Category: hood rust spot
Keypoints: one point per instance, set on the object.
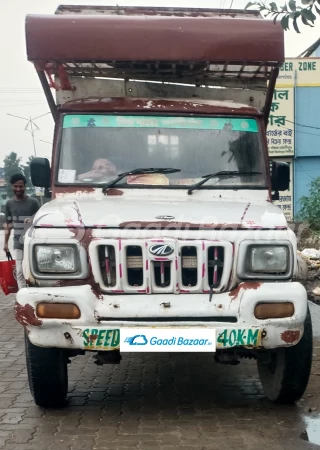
(244, 286)
(95, 288)
(290, 336)
(84, 237)
(25, 315)
(178, 105)
(73, 189)
(93, 337)
(69, 338)
(113, 191)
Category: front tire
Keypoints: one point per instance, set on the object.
(284, 375)
(47, 374)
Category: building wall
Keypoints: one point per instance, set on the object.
(307, 142)
(316, 53)
(307, 112)
(305, 169)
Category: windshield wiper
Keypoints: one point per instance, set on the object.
(138, 172)
(222, 173)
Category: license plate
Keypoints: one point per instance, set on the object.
(238, 337)
(167, 340)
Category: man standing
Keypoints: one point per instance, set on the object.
(19, 213)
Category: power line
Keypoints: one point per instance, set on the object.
(310, 134)
(31, 126)
(12, 98)
(10, 92)
(20, 88)
(297, 131)
(304, 126)
(23, 95)
(23, 91)
(309, 170)
(22, 104)
(303, 170)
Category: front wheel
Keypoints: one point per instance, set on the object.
(284, 374)
(47, 374)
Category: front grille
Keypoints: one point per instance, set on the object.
(161, 266)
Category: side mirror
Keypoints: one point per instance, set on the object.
(280, 177)
(40, 172)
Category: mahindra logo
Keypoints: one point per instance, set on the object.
(161, 249)
(165, 217)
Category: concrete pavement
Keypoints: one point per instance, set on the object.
(150, 402)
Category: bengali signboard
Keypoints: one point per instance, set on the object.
(300, 72)
(295, 72)
(280, 133)
(285, 201)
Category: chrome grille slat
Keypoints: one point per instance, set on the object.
(195, 266)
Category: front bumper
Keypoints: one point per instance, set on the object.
(227, 311)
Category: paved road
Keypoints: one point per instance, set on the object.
(150, 402)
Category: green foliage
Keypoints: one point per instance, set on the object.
(310, 206)
(289, 12)
(12, 165)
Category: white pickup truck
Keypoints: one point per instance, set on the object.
(160, 221)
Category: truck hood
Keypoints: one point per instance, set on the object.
(189, 211)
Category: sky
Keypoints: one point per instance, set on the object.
(20, 90)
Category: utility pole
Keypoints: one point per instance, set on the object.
(31, 126)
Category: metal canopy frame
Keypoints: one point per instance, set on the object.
(247, 83)
(203, 52)
(208, 73)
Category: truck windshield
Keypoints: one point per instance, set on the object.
(96, 148)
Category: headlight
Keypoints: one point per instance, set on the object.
(56, 258)
(268, 259)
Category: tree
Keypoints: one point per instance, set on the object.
(290, 12)
(310, 206)
(12, 165)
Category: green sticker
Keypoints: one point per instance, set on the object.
(238, 337)
(194, 123)
(103, 339)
